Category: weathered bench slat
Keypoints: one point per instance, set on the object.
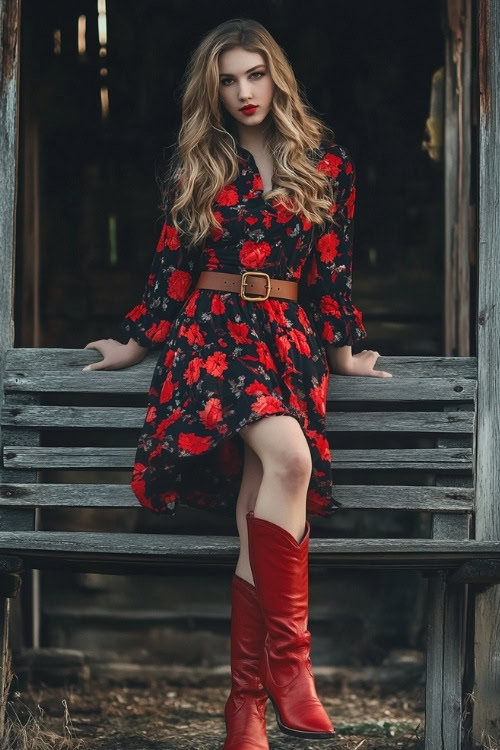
(340, 387)
(386, 497)
(92, 417)
(406, 367)
(104, 457)
(431, 553)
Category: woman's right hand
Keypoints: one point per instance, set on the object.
(115, 355)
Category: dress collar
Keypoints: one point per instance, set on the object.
(245, 154)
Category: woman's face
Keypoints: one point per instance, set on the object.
(244, 79)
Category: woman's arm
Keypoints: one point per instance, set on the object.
(171, 278)
(339, 359)
(342, 361)
(326, 282)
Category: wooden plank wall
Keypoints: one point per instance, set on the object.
(486, 707)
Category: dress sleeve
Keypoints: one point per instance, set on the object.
(171, 278)
(326, 279)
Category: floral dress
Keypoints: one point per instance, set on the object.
(225, 362)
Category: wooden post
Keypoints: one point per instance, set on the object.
(9, 77)
(457, 158)
(9, 73)
(446, 623)
(486, 698)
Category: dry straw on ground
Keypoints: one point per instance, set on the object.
(188, 715)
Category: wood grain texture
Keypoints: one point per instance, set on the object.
(340, 387)
(384, 497)
(104, 457)
(55, 359)
(9, 103)
(123, 417)
(172, 548)
(446, 624)
(486, 710)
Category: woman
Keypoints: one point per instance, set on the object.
(249, 302)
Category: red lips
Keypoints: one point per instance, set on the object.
(249, 108)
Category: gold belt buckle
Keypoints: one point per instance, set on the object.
(244, 283)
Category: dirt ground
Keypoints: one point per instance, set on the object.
(163, 716)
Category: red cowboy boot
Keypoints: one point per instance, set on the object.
(280, 571)
(245, 709)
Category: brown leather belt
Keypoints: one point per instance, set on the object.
(257, 283)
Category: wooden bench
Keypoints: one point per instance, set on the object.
(428, 406)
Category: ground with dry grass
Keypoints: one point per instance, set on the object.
(166, 716)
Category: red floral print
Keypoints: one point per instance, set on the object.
(225, 362)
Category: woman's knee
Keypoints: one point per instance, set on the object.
(281, 446)
(292, 467)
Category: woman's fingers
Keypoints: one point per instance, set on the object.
(96, 365)
(380, 373)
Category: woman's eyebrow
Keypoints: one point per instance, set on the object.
(260, 65)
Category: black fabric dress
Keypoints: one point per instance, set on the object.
(225, 362)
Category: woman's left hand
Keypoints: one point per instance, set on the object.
(362, 364)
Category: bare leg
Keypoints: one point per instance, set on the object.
(282, 448)
(250, 483)
(280, 570)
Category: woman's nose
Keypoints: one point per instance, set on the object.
(245, 93)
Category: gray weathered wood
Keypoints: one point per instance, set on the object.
(110, 417)
(384, 497)
(457, 167)
(19, 518)
(443, 698)
(44, 457)
(9, 61)
(340, 387)
(446, 624)
(484, 572)
(426, 553)
(486, 709)
(405, 367)
(22, 519)
(5, 659)
(434, 661)
(450, 526)
(9, 77)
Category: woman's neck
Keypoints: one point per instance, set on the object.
(252, 138)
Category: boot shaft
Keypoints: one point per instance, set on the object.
(281, 574)
(248, 633)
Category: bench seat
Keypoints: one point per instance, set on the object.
(47, 549)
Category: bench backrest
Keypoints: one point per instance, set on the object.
(406, 441)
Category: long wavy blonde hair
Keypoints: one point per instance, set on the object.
(205, 157)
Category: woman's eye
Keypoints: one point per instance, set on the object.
(259, 73)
